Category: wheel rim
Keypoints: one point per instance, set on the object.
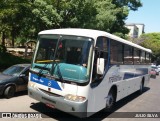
(11, 92)
(109, 101)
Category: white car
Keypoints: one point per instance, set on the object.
(158, 68)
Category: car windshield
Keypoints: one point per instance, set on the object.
(13, 70)
(67, 56)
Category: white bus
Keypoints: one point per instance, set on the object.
(82, 71)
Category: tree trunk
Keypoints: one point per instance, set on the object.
(13, 37)
(3, 38)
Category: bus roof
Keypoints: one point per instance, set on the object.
(92, 34)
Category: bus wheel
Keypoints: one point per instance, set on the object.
(141, 87)
(9, 92)
(110, 100)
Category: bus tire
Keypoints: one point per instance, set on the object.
(111, 98)
(141, 87)
(9, 92)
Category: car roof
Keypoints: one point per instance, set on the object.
(23, 65)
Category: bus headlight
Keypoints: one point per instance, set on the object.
(31, 84)
(74, 98)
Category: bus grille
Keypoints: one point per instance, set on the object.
(50, 94)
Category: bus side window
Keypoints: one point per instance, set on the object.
(116, 52)
(128, 54)
(147, 58)
(143, 56)
(136, 56)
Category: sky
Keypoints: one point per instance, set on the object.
(148, 14)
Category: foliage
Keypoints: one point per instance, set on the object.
(5, 60)
(25, 18)
(152, 41)
(2, 49)
(21, 40)
(13, 16)
(123, 7)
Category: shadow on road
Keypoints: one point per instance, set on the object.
(17, 94)
(61, 116)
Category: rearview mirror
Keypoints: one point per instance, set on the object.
(100, 66)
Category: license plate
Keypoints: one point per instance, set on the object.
(50, 105)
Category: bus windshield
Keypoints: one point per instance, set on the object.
(67, 56)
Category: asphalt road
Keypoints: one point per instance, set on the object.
(144, 105)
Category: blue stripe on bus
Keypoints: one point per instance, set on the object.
(143, 71)
(139, 72)
(128, 75)
(45, 81)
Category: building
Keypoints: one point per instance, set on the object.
(136, 29)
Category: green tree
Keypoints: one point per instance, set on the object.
(25, 18)
(152, 41)
(107, 15)
(12, 17)
(123, 7)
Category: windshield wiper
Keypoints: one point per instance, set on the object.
(59, 73)
(42, 68)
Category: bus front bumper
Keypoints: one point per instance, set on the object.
(78, 109)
